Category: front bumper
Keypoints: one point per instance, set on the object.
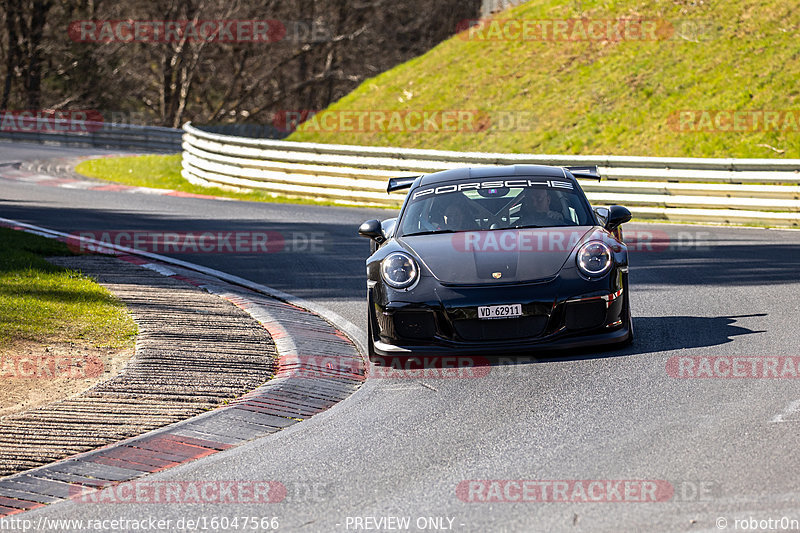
(562, 342)
(554, 317)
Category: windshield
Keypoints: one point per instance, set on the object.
(496, 203)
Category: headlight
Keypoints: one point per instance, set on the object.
(399, 270)
(594, 258)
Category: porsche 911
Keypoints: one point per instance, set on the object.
(497, 260)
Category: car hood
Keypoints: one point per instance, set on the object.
(496, 256)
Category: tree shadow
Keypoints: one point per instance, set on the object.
(718, 256)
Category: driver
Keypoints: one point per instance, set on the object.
(535, 209)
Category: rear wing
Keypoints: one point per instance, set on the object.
(395, 184)
(584, 172)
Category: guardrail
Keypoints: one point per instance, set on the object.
(94, 134)
(739, 191)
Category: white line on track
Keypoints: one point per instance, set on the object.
(788, 411)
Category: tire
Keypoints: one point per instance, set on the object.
(370, 342)
(629, 341)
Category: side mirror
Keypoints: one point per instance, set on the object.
(372, 229)
(617, 216)
(602, 215)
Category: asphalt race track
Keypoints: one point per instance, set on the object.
(401, 447)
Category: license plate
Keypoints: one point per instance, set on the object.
(500, 311)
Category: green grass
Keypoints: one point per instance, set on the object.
(600, 97)
(157, 171)
(44, 303)
(164, 172)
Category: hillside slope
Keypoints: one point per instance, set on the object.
(665, 89)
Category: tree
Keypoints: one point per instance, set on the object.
(25, 23)
(316, 52)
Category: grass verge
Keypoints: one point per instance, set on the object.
(43, 303)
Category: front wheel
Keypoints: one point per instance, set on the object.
(370, 342)
(629, 341)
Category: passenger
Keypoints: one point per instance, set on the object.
(454, 218)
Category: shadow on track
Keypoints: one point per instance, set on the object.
(653, 335)
(747, 258)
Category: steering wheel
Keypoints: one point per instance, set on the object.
(500, 219)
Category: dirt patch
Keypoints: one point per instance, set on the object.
(34, 374)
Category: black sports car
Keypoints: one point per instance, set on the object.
(497, 260)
